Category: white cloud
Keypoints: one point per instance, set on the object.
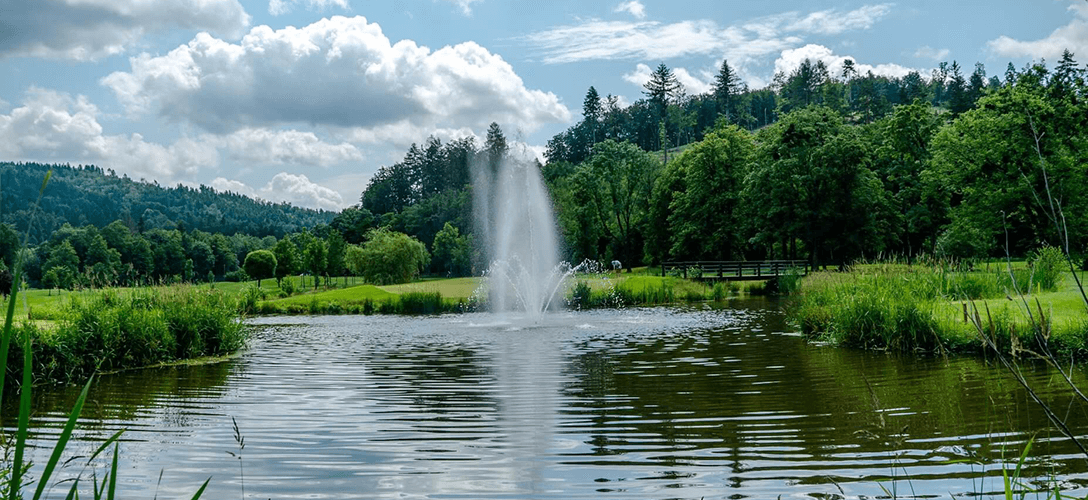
(90, 29)
(692, 84)
(54, 126)
(791, 59)
(464, 5)
(263, 146)
(280, 7)
(338, 72)
(596, 39)
(1072, 36)
(284, 187)
(633, 7)
(931, 54)
(834, 22)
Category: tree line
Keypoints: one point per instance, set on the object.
(972, 175)
(90, 195)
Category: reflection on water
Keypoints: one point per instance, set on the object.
(649, 403)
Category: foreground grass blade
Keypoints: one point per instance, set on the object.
(62, 440)
(201, 490)
(105, 444)
(112, 493)
(24, 421)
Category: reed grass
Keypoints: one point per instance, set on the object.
(921, 308)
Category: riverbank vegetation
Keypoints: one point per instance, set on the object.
(108, 330)
(939, 307)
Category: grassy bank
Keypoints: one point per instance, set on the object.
(109, 330)
(922, 308)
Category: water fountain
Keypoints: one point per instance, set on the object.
(515, 220)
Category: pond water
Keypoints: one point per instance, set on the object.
(626, 404)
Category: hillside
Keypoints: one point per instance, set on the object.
(89, 195)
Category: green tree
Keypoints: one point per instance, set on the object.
(260, 264)
(287, 259)
(901, 154)
(612, 190)
(662, 89)
(336, 245)
(9, 245)
(705, 219)
(812, 183)
(391, 257)
(62, 266)
(997, 162)
(315, 258)
(727, 89)
(451, 252)
(355, 259)
(495, 147)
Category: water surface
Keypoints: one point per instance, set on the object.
(646, 403)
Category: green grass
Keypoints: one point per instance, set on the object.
(907, 308)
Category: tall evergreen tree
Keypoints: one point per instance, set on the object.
(727, 90)
(663, 88)
(495, 147)
(958, 98)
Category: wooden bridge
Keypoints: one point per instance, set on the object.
(735, 270)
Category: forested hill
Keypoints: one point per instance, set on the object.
(89, 195)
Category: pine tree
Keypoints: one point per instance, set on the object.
(727, 87)
(495, 147)
(663, 88)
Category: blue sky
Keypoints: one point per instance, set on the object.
(303, 100)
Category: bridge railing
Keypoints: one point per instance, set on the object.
(735, 270)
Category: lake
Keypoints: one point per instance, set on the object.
(703, 402)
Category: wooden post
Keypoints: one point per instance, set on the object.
(964, 312)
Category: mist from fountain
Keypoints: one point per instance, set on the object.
(515, 219)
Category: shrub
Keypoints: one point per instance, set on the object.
(287, 286)
(237, 276)
(1047, 265)
(581, 296)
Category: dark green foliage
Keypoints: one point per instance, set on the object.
(90, 195)
(451, 253)
(260, 264)
(115, 330)
(390, 257)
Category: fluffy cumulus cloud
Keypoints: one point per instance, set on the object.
(1072, 37)
(280, 7)
(633, 7)
(89, 29)
(294, 189)
(263, 146)
(340, 73)
(791, 59)
(597, 39)
(54, 126)
(692, 84)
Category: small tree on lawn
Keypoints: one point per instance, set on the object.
(260, 264)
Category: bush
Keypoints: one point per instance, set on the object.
(581, 296)
(1047, 266)
(287, 286)
(238, 276)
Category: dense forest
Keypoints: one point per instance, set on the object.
(818, 166)
(89, 195)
